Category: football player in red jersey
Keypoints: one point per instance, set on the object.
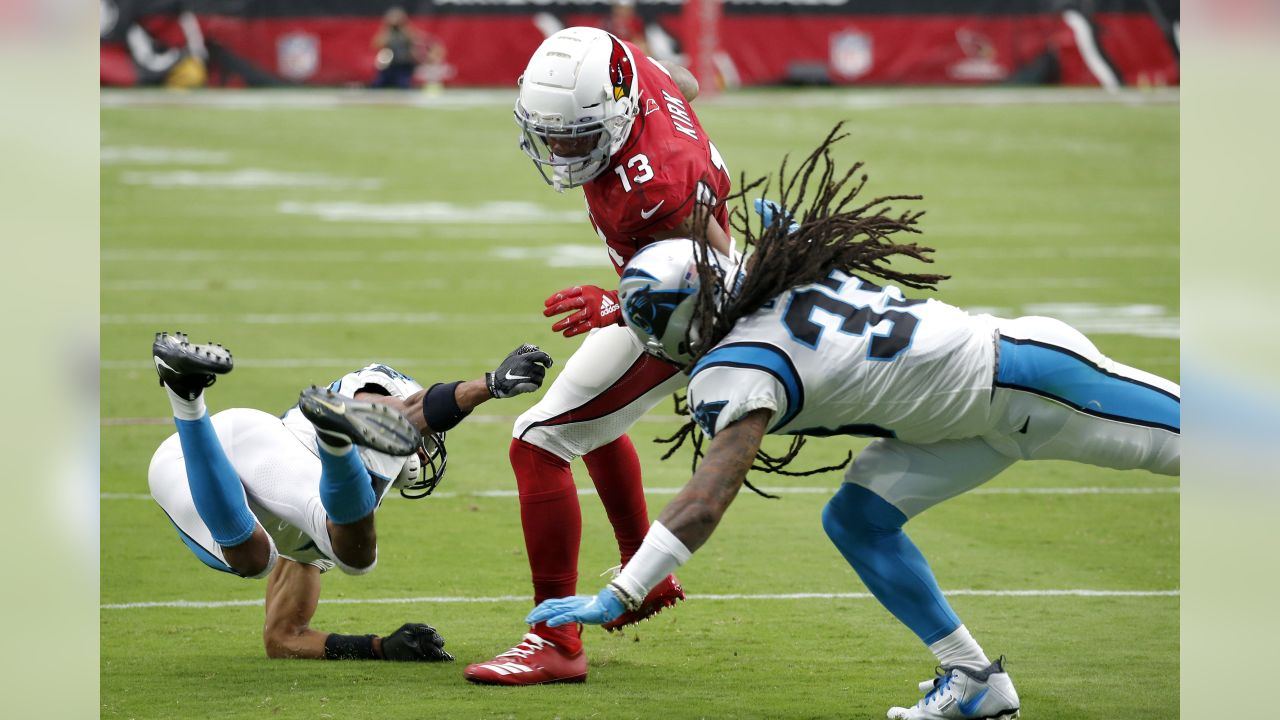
(599, 114)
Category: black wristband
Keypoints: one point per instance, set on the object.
(349, 647)
(440, 407)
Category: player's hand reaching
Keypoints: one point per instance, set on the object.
(520, 372)
(771, 212)
(592, 307)
(597, 610)
(415, 642)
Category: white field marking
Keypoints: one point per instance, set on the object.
(247, 179)
(1018, 231)
(585, 492)
(144, 155)
(162, 320)
(458, 99)
(290, 363)
(1140, 320)
(303, 99)
(472, 420)
(555, 256)
(871, 100)
(431, 213)
(279, 256)
(1021, 252)
(252, 284)
(1069, 283)
(1021, 143)
(1143, 320)
(215, 604)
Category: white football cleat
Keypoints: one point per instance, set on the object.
(960, 694)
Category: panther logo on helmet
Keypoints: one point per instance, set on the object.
(650, 310)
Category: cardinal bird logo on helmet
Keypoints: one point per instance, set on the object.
(620, 70)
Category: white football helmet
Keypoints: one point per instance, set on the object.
(577, 102)
(423, 470)
(658, 294)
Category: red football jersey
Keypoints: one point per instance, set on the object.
(666, 165)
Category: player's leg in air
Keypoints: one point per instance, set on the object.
(1055, 397)
(606, 386)
(222, 530)
(240, 544)
(346, 490)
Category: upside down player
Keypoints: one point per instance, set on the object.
(288, 498)
(803, 346)
(597, 113)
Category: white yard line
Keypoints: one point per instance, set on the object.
(383, 318)
(328, 99)
(215, 604)
(471, 420)
(291, 363)
(185, 284)
(585, 492)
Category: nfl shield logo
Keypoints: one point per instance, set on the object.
(298, 55)
(851, 55)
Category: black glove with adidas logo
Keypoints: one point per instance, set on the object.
(522, 371)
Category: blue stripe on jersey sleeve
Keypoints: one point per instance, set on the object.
(764, 357)
(1059, 374)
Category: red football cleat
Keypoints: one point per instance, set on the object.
(535, 661)
(663, 595)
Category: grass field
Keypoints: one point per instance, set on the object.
(312, 238)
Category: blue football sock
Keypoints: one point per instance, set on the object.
(215, 487)
(868, 532)
(346, 491)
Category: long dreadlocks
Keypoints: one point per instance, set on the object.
(834, 233)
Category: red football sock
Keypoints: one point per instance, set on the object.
(615, 470)
(551, 518)
(567, 637)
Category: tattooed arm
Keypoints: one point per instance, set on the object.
(694, 514)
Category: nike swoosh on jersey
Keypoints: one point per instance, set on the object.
(516, 377)
(969, 708)
(646, 214)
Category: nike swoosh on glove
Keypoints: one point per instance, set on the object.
(595, 308)
(598, 610)
(521, 371)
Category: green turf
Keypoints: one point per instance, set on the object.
(1028, 205)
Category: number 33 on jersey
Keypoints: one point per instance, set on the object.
(846, 357)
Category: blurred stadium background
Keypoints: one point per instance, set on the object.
(314, 226)
(729, 44)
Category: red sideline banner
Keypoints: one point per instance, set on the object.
(487, 43)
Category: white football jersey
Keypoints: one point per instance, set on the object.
(846, 357)
(384, 468)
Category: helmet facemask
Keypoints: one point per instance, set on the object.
(578, 101)
(567, 155)
(423, 470)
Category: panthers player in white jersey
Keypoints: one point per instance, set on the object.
(802, 346)
(288, 498)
